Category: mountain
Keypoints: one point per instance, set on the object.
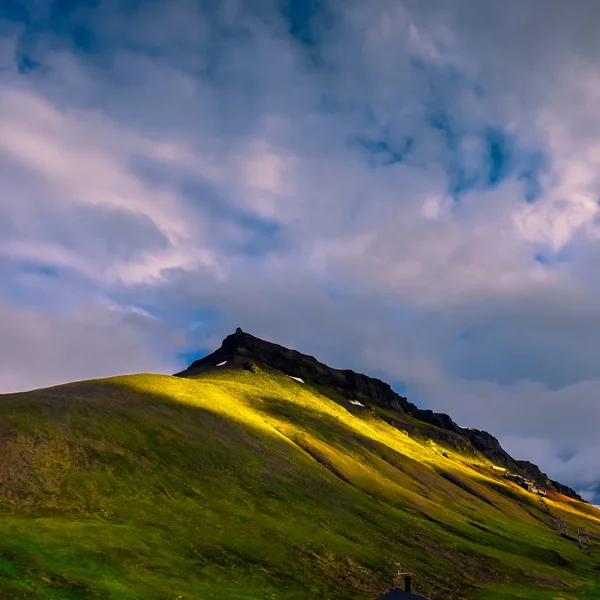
(241, 350)
(236, 481)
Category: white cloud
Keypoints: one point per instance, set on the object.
(263, 173)
(76, 159)
(92, 340)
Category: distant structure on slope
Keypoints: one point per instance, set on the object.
(583, 540)
(527, 484)
(561, 526)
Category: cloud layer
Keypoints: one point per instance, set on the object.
(405, 188)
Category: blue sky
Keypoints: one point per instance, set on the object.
(408, 189)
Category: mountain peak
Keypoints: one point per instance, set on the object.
(240, 350)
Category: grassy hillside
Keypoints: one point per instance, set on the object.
(244, 485)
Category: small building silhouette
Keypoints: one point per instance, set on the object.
(397, 593)
(400, 594)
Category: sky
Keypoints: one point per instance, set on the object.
(406, 188)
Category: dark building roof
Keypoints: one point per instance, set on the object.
(399, 594)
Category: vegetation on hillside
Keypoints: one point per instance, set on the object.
(243, 485)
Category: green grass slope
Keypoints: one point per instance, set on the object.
(245, 485)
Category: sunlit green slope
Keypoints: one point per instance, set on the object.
(247, 485)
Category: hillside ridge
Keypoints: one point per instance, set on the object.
(240, 350)
(240, 482)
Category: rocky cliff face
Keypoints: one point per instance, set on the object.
(241, 350)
